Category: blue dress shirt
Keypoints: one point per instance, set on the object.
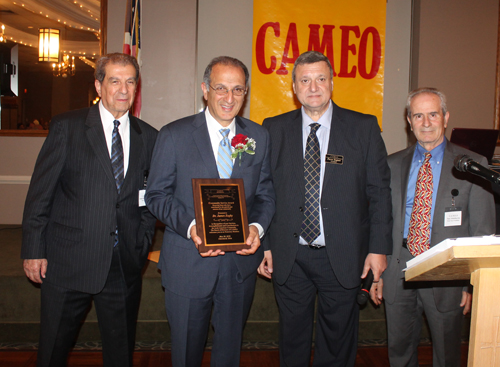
(436, 163)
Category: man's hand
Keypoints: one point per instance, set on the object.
(466, 302)
(253, 241)
(376, 293)
(197, 241)
(266, 266)
(35, 269)
(378, 263)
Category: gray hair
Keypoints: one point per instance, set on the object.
(114, 58)
(311, 57)
(226, 61)
(427, 90)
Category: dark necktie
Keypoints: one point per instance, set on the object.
(117, 163)
(419, 231)
(312, 171)
(117, 156)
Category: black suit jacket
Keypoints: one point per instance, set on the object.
(355, 199)
(73, 207)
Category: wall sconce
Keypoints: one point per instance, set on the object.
(48, 44)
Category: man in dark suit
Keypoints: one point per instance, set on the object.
(86, 233)
(194, 283)
(331, 226)
(451, 195)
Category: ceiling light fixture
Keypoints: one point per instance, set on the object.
(48, 44)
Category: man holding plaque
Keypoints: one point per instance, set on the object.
(333, 217)
(198, 147)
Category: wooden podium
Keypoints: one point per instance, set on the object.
(482, 265)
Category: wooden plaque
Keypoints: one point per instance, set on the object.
(221, 214)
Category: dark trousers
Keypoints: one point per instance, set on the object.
(63, 311)
(189, 319)
(337, 314)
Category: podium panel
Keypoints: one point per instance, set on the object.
(480, 264)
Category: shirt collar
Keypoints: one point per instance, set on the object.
(325, 120)
(213, 124)
(107, 118)
(437, 153)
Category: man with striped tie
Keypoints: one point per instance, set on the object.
(199, 147)
(86, 234)
(427, 193)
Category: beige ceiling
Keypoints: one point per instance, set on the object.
(77, 20)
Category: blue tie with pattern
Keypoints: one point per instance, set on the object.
(117, 162)
(224, 161)
(312, 170)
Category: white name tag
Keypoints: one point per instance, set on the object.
(453, 217)
(141, 197)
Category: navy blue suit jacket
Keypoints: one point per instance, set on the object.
(183, 151)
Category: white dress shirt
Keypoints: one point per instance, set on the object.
(124, 130)
(215, 138)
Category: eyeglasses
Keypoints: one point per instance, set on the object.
(222, 91)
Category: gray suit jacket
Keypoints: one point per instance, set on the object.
(73, 207)
(478, 215)
(355, 199)
(183, 151)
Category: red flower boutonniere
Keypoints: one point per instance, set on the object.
(242, 144)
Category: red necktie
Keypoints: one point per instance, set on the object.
(419, 232)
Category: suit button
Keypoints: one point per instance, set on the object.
(112, 234)
(117, 206)
(301, 209)
(295, 235)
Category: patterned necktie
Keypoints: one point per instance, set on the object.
(117, 156)
(117, 163)
(224, 161)
(419, 232)
(312, 171)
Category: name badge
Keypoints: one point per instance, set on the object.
(334, 159)
(452, 217)
(142, 202)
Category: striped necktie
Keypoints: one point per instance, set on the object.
(312, 170)
(117, 163)
(419, 231)
(224, 161)
(117, 156)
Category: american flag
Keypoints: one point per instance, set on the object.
(132, 43)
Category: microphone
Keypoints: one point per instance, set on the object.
(464, 163)
(364, 292)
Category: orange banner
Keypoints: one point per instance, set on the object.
(350, 33)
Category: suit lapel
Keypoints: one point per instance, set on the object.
(95, 136)
(136, 148)
(335, 141)
(405, 175)
(203, 144)
(241, 163)
(293, 147)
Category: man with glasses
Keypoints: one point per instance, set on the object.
(198, 147)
